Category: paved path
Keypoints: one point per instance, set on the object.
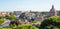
(5, 24)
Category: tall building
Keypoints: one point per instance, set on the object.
(17, 13)
(52, 12)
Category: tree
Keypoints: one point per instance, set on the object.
(26, 26)
(2, 21)
(11, 17)
(1, 17)
(23, 26)
(52, 22)
(32, 20)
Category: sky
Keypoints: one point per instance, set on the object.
(27, 5)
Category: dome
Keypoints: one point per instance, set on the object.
(52, 9)
(52, 12)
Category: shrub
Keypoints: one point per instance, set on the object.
(1, 21)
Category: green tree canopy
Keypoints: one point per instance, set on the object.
(1, 17)
(1, 21)
(25, 26)
(11, 17)
(52, 22)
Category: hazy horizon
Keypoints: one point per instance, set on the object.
(27, 5)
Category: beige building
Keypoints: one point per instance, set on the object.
(4, 13)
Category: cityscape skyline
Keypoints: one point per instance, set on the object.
(27, 5)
